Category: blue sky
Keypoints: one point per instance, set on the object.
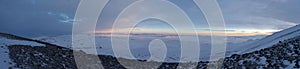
(55, 17)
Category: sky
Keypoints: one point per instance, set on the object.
(35, 18)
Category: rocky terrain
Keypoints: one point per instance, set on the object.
(284, 54)
(59, 57)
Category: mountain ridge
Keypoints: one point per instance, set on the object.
(10, 36)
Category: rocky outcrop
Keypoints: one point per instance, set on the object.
(284, 54)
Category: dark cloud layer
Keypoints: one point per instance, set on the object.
(31, 17)
(54, 17)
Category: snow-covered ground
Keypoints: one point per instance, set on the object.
(5, 61)
(268, 41)
(139, 45)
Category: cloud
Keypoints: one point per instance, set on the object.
(238, 14)
(257, 22)
(54, 17)
(110, 13)
(286, 10)
(279, 1)
(37, 17)
(277, 23)
(62, 17)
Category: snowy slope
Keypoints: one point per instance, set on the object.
(270, 40)
(282, 55)
(5, 61)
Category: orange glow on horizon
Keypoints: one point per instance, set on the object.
(201, 33)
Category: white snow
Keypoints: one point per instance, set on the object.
(262, 60)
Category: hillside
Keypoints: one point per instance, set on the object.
(284, 54)
(270, 40)
(20, 52)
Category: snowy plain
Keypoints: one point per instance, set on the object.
(139, 45)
